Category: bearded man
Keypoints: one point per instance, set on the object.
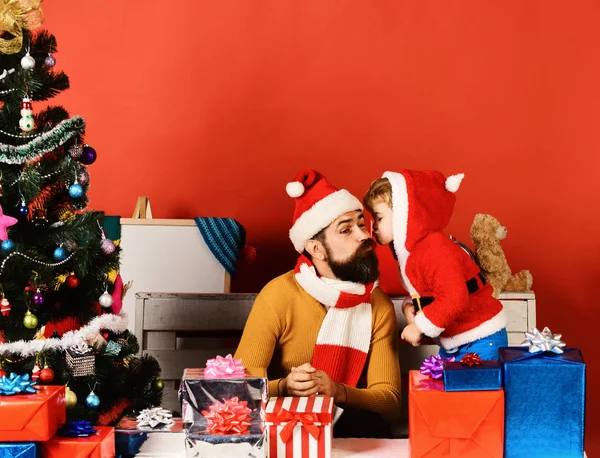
(326, 328)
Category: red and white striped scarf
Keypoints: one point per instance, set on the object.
(345, 335)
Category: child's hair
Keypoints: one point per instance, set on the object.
(380, 189)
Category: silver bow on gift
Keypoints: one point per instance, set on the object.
(155, 418)
(543, 341)
(81, 348)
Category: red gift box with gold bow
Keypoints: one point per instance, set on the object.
(299, 426)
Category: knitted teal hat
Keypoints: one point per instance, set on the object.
(225, 238)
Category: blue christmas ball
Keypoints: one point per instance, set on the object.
(23, 210)
(8, 245)
(92, 401)
(75, 191)
(88, 155)
(60, 253)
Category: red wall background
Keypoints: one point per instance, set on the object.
(210, 107)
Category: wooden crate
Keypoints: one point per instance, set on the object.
(184, 330)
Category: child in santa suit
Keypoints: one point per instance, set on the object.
(450, 300)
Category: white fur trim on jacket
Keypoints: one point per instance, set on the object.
(426, 326)
(321, 215)
(487, 328)
(400, 225)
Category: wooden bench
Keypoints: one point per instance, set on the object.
(184, 330)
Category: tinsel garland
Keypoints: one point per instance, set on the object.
(48, 141)
(114, 323)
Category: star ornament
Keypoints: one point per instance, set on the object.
(5, 223)
(543, 341)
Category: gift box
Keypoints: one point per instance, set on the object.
(131, 434)
(299, 426)
(81, 360)
(465, 424)
(32, 417)
(545, 403)
(201, 443)
(101, 445)
(462, 377)
(197, 393)
(19, 450)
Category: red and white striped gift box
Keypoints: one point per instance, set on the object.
(299, 427)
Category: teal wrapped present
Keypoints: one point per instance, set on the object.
(19, 450)
(545, 399)
(486, 376)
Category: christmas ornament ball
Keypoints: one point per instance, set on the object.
(88, 155)
(72, 281)
(83, 177)
(70, 397)
(76, 191)
(23, 210)
(60, 253)
(158, 384)
(28, 62)
(8, 245)
(30, 321)
(107, 246)
(49, 61)
(3, 373)
(38, 298)
(92, 401)
(106, 300)
(46, 375)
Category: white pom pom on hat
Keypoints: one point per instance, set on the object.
(294, 189)
(453, 182)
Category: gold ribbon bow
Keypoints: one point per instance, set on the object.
(307, 420)
(16, 15)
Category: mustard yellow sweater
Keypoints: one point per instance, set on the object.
(282, 330)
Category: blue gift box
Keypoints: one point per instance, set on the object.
(19, 450)
(544, 403)
(485, 377)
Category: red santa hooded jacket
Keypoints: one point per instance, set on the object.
(459, 305)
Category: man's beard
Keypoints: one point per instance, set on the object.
(362, 267)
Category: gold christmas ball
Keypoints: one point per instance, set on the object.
(70, 397)
(30, 321)
(159, 384)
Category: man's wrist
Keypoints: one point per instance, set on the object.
(341, 395)
(282, 387)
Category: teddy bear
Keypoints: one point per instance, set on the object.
(486, 234)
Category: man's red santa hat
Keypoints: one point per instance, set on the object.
(318, 204)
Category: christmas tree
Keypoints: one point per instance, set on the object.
(59, 285)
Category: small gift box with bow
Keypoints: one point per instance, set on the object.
(81, 360)
(472, 373)
(31, 417)
(79, 439)
(141, 434)
(545, 397)
(299, 426)
(222, 378)
(465, 424)
(19, 449)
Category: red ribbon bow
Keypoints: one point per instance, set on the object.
(471, 359)
(232, 416)
(307, 420)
